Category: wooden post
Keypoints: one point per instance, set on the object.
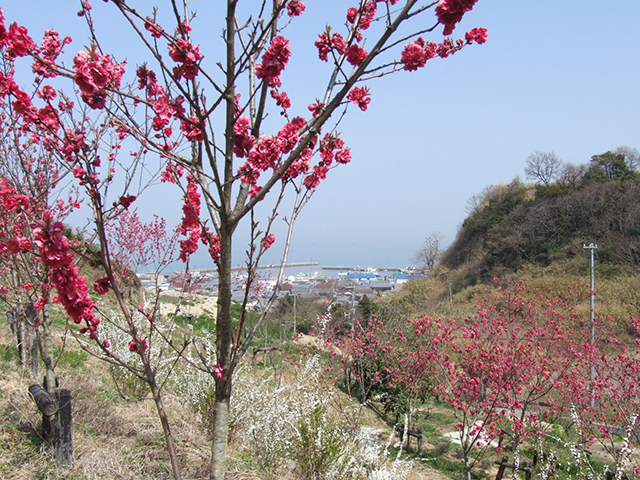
(502, 465)
(45, 402)
(64, 437)
(47, 405)
(527, 470)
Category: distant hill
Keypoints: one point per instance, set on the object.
(518, 224)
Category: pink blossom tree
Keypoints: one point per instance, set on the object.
(494, 369)
(220, 126)
(29, 187)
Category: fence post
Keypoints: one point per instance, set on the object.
(503, 465)
(64, 437)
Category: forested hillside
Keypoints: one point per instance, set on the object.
(550, 221)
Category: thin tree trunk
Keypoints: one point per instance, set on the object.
(220, 437)
(164, 420)
(223, 357)
(47, 352)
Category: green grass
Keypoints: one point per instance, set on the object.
(199, 323)
(8, 353)
(72, 358)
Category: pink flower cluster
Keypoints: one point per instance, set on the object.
(191, 128)
(139, 346)
(71, 286)
(15, 40)
(274, 60)
(331, 148)
(94, 75)
(47, 53)
(416, 54)
(191, 228)
(356, 55)
(188, 56)
(326, 44)
(267, 151)
(478, 35)
(295, 8)
(450, 12)
(268, 240)
(366, 16)
(359, 96)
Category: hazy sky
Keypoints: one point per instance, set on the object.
(555, 75)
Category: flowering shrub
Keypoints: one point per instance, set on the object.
(279, 422)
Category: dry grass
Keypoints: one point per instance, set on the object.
(114, 438)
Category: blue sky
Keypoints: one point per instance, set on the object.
(556, 76)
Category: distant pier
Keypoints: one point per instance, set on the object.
(384, 269)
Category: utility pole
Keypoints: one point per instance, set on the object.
(592, 248)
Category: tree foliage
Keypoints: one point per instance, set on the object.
(517, 224)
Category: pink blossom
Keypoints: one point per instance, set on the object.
(339, 43)
(450, 12)
(254, 190)
(151, 26)
(48, 52)
(212, 242)
(274, 60)
(217, 372)
(243, 141)
(265, 153)
(356, 55)
(102, 285)
(315, 108)
(268, 241)
(295, 8)
(323, 44)
(139, 347)
(191, 208)
(18, 41)
(94, 74)
(416, 54)
(191, 129)
(47, 92)
(185, 53)
(359, 96)
(478, 35)
(288, 137)
(343, 156)
(282, 99)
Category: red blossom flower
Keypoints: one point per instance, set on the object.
(48, 52)
(185, 53)
(478, 35)
(243, 141)
(450, 12)
(323, 44)
(416, 54)
(18, 41)
(94, 74)
(151, 26)
(359, 96)
(356, 55)
(295, 8)
(282, 99)
(268, 241)
(274, 60)
(191, 129)
(102, 285)
(288, 137)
